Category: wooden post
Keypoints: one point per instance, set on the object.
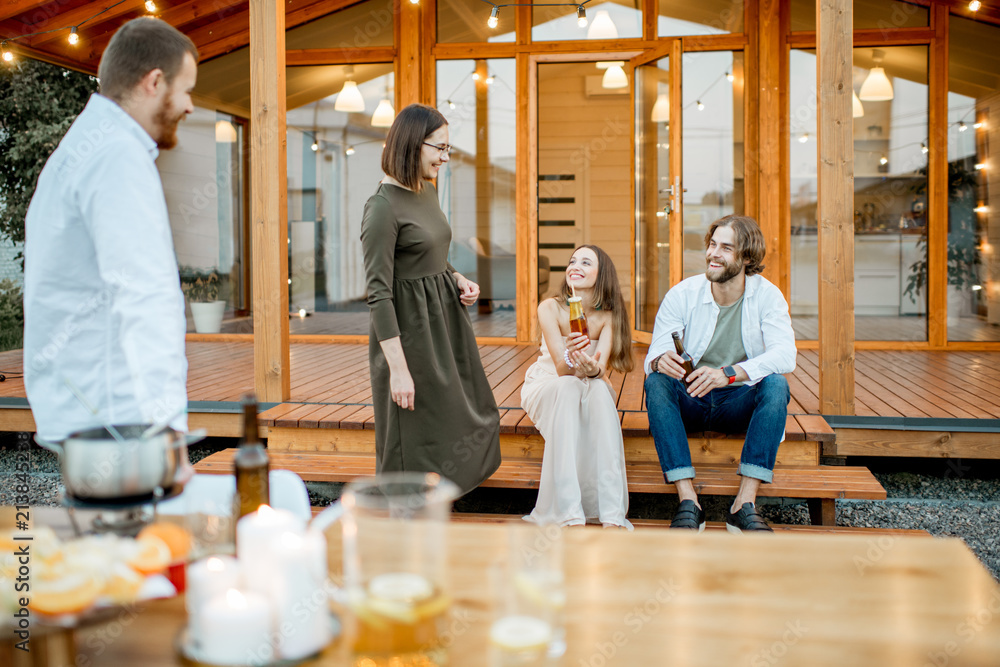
(770, 127)
(484, 179)
(409, 31)
(835, 172)
(268, 206)
(526, 197)
(937, 183)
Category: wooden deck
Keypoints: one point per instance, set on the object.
(909, 403)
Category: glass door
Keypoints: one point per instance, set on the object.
(658, 188)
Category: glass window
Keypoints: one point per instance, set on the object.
(477, 185)
(369, 23)
(585, 151)
(973, 216)
(203, 182)
(465, 21)
(890, 194)
(881, 14)
(334, 165)
(713, 147)
(682, 17)
(605, 20)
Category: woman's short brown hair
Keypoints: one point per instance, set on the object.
(750, 247)
(401, 155)
(139, 47)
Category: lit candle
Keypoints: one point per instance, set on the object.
(207, 579)
(301, 610)
(255, 536)
(236, 629)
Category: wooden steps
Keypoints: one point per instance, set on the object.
(820, 485)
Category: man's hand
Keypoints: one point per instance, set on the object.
(469, 290)
(704, 380)
(671, 364)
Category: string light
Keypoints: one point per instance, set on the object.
(150, 6)
(74, 36)
(451, 105)
(975, 5)
(74, 31)
(581, 12)
(315, 146)
(475, 76)
(923, 148)
(7, 55)
(701, 107)
(414, 2)
(581, 16)
(490, 80)
(979, 125)
(729, 75)
(349, 151)
(883, 160)
(962, 127)
(493, 20)
(804, 138)
(982, 209)
(980, 166)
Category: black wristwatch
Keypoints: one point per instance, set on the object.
(730, 372)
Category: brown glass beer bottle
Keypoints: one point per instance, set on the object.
(688, 362)
(252, 464)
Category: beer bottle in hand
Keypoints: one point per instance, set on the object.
(252, 464)
(577, 320)
(688, 362)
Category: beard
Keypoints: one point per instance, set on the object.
(727, 273)
(166, 120)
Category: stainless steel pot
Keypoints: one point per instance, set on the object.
(96, 466)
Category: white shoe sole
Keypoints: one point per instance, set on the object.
(730, 528)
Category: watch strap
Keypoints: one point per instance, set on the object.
(730, 372)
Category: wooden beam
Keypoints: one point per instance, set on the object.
(346, 56)
(937, 183)
(869, 37)
(835, 171)
(268, 206)
(428, 67)
(408, 62)
(46, 11)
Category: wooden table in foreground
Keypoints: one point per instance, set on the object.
(662, 598)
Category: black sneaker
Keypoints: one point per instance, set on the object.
(746, 519)
(689, 517)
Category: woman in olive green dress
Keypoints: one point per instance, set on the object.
(434, 409)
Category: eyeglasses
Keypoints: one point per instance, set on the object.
(444, 150)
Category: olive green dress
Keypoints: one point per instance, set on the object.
(454, 429)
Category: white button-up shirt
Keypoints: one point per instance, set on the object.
(103, 308)
(768, 339)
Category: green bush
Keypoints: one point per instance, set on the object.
(11, 316)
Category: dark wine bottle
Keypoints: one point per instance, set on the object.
(252, 464)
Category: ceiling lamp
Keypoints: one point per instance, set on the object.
(494, 19)
(349, 100)
(581, 16)
(602, 27)
(225, 132)
(74, 36)
(859, 109)
(876, 87)
(384, 114)
(661, 110)
(614, 75)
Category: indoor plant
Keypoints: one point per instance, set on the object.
(201, 288)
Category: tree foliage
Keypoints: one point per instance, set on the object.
(38, 103)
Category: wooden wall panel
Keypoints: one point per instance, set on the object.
(268, 206)
(835, 207)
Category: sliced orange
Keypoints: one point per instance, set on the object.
(176, 538)
(149, 555)
(65, 595)
(123, 584)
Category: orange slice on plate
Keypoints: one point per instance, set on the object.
(175, 537)
(68, 594)
(149, 555)
(123, 584)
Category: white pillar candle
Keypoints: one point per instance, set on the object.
(206, 579)
(302, 618)
(236, 629)
(255, 536)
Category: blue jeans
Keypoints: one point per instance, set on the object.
(759, 410)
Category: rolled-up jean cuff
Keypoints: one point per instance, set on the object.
(763, 474)
(679, 473)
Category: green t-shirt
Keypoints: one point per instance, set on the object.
(726, 347)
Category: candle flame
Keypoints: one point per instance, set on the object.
(236, 599)
(265, 511)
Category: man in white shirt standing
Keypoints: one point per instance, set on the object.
(737, 330)
(104, 312)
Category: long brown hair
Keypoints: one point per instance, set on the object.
(401, 155)
(607, 296)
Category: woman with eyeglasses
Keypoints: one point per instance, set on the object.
(434, 409)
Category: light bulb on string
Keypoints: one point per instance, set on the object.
(980, 166)
(581, 16)
(414, 2)
(7, 55)
(451, 105)
(494, 19)
(315, 146)
(730, 77)
(74, 36)
(883, 160)
(923, 148)
(962, 127)
(975, 5)
(150, 6)
(979, 125)
(804, 138)
(490, 80)
(701, 106)
(475, 76)
(349, 151)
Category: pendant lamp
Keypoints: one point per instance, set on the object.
(602, 27)
(859, 109)
(661, 110)
(876, 87)
(349, 99)
(225, 132)
(384, 114)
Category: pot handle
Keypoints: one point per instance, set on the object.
(50, 445)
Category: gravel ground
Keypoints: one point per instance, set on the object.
(953, 498)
